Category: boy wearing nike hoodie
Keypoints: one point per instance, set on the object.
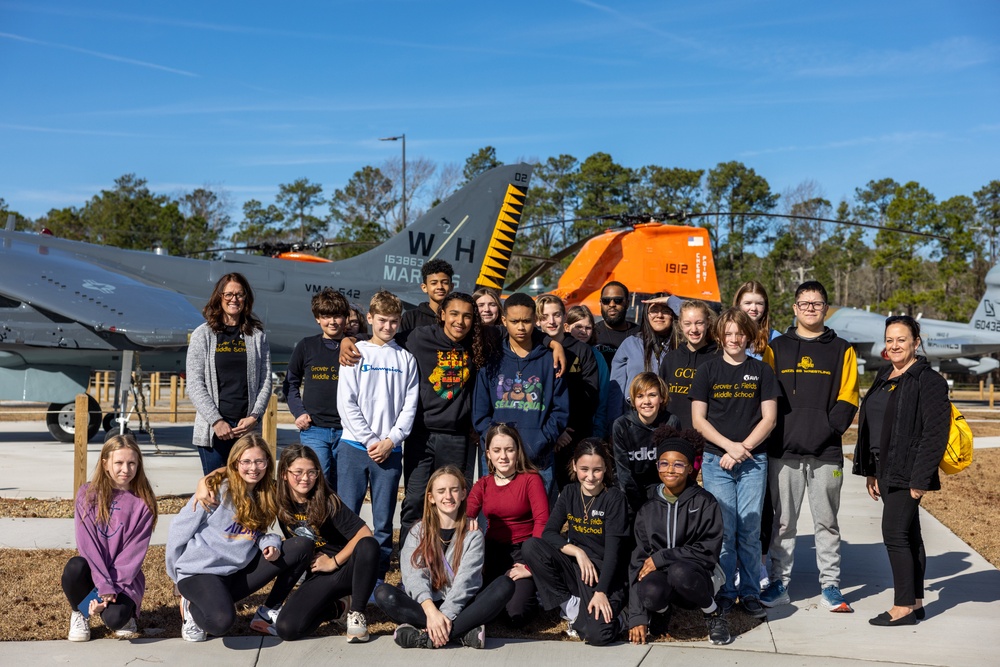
(678, 535)
(521, 388)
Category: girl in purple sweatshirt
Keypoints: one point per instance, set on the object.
(115, 516)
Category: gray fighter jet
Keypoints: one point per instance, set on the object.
(68, 308)
(951, 347)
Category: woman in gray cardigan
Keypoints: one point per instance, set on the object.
(228, 371)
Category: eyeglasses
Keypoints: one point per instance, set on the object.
(308, 474)
(667, 465)
(234, 296)
(255, 463)
(810, 305)
(608, 300)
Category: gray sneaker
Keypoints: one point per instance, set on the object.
(357, 627)
(775, 595)
(190, 632)
(475, 638)
(127, 631)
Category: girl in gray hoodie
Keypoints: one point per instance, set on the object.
(221, 556)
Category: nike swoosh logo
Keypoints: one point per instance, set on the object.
(694, 510)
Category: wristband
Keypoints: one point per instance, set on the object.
(335, 561)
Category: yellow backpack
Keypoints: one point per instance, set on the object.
(958, 456)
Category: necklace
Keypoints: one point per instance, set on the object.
(586, 507)
(503, 478)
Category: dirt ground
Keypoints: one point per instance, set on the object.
(969, 504)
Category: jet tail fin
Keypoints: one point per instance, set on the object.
(988, 310)
(473, 230)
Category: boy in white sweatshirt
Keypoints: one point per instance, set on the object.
(377, 402)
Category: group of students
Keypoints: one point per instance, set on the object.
(528, 398)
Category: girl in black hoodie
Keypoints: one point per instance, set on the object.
(678, 534)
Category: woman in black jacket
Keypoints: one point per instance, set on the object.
(902, 435)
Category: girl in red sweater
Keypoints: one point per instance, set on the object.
(512, 499)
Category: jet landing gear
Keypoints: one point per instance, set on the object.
(61, 420)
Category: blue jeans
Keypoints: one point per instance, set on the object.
(355, 471)
(740, 493)
(324, 442)
(548, 479)
(216, 455)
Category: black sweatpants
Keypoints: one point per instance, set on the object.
(489, 602)
(315, 600)
(905, 544)
(558, 578)
(424, 453)
(78, 581)
(213, 597)
(681, 584)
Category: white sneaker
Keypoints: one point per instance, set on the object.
(128, 630)
(79, 628)
(264, 620)
(357, 627)
(190, 632)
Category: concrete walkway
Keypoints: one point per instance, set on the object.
(961, 628)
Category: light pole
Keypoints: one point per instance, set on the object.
(402, 138)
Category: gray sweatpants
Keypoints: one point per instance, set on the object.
(789, 480)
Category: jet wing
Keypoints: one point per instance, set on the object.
(73, 288)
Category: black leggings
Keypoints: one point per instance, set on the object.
(78, 582)
(905, 544)
(314, 601)
(213, 597)
(683, 584)
(489, 602)
(558, 578)
(499, 559)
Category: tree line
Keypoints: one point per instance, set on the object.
(571, 199)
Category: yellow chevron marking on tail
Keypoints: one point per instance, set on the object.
(498, 252)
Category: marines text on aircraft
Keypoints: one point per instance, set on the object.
(951, 347)
(68, 308)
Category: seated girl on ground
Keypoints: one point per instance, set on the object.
(512, 498)
(581, 574)
(221, 556)
(442, 569)
(114, 519)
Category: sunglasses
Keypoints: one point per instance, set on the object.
(608, 300)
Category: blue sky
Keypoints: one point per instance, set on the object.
(245, 96)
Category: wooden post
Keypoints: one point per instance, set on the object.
(80, 442)
(183, 389)
(152, 390)
(157, 375)
(173, 399)
(981, 383)
(991, 396)
(107, 396)
(269, 425)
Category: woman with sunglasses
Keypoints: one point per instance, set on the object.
(902, 436)
(228, 371)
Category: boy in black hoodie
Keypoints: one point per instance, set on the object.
(678, 534)
(522, 388)
(818, 374)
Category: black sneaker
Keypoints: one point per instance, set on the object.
(753, 607)
(659, 623)
(725, 604)
(718, 628)
(407, 636)
(475, 638)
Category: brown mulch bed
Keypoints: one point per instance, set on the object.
(38, 609)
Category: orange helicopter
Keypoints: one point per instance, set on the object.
(647, 257)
